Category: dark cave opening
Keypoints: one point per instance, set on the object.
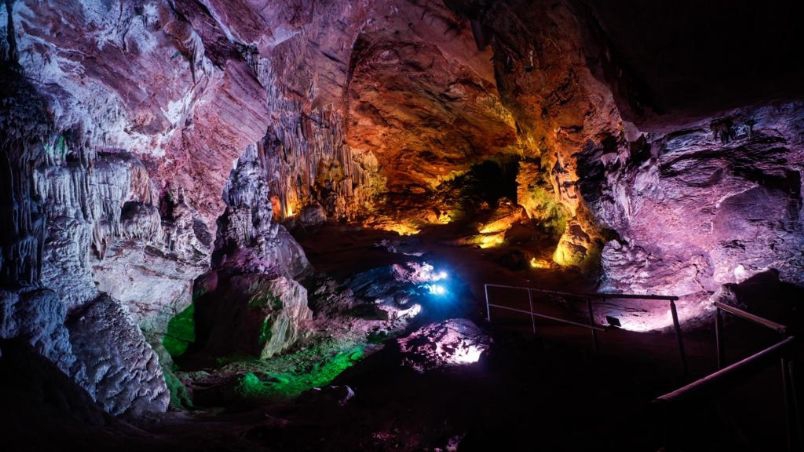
(488, 182)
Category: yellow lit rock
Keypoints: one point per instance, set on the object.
(490, 240)
(539, 263)
(400, 228)
(563, 254)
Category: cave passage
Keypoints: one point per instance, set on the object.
(401, 225)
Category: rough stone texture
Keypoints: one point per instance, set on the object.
(120, 122)
(249, 302)
(452, 342)
(25, 129)
(710, 204)
(683, 205)
(288, 325)
(247, 238)
(422, 98)
(37, 316)
(249, 314)
(122, 371)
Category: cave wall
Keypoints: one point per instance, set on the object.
(678, 163)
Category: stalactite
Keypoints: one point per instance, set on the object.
(11, 35)
(25, 128)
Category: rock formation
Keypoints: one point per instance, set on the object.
(452, 342)
(249, 303)
(121, 123)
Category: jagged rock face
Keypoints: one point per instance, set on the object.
(707, 205)
(248, 314)
(249, 302)
(423, 99)
(99, 348)
(452, 342)
(696, 203)
(247, 238)
(37, 316)
(122, 371)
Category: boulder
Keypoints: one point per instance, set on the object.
(248, 314)
(452, 342)
(122, 371)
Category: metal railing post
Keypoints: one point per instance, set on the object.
(532, 318)
(677, 327)
(797, 420)
(719, 351)
(787, 405)
(595, 344)
(488, 308)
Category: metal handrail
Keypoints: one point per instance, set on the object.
(715, 381)
(708, 382)
(590, 294)
(735, 311)
(588, 297)
(548, 317)
(720, 351)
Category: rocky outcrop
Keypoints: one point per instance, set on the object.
(247, 238)
(249, 302)
(452, 342)
(710, 204)
(122, 371)
(37, 316)
(248, 315)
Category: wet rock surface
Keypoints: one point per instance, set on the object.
(453, 342)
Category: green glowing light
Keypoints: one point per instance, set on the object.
(265, 332)
(180, 332)
(292, 384)
(179, 396)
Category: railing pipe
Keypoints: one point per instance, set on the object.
(778, 327)
(719, 350)
(532, 318)
(706, 383)
(679, 339)
(590, 294)
(488, 308)
(592, 321)
(547, 317)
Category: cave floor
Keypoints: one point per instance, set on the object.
(545, 392)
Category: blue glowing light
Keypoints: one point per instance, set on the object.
(436, 289)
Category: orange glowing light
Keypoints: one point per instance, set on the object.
(400, 228)
(539, 263)
(563, 255)
(501, 225)
(490, 240)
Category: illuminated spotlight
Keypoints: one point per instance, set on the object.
(436, 289)
(439, 276)
(468, 355)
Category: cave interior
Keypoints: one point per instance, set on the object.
(401, 225)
